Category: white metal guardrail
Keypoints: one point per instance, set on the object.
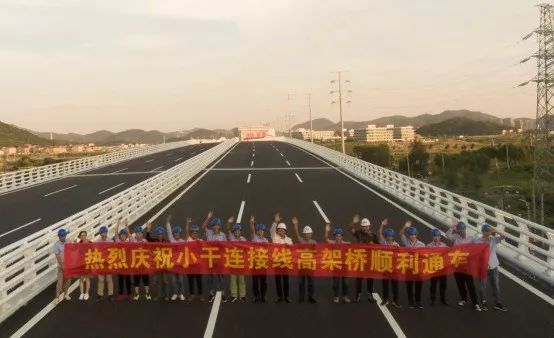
(28, 266)
(529, 245)
(26, 177)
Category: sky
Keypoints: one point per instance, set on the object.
(81, 66)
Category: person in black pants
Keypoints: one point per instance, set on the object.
(386, 299)
(278, 233)
(259, 282)
(441, 280)
(386, 237)
(363, 235)
(123, 281)
(192, 233)
(305, 279)
(408, 236)
(465, 285)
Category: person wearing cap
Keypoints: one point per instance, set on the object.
(237, 283)
(304, 278)
(259, 282)
(192, 233)
(104, 279)
(338, 234)
(441, 280)
(174, 235)
(493, 237)
(278, 233)
(386, 237)
(161, 278)
(408, 237)
(216, 282)
(84, 280)
(62, 285)
(363, 235)
(138, 237)
(123, 281)
(457, 234)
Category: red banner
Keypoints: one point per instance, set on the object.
(250, 258)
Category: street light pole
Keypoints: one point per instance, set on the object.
(341, 120)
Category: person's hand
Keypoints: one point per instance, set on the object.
(252, 219)
(327, 227)
(385, 222)
(277, 217)
(125, 221)
(168, 219)
(356, 219)
(295, 221)
(210, 214)
(231, 219)
(188, 220)
(408, 224)
(453, 222)
(148, 226)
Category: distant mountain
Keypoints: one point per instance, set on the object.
(460, 126)
(400, 120)
(11, 136)
(105, 137)
(318, 124)
(205, 133)
(95, 137)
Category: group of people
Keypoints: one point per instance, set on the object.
(171, 286)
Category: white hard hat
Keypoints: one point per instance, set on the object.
(365, 222)
(307, 230)
(282, 226)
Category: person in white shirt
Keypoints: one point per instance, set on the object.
(104, 279)
(386, 237)
(493, 237)
(259, 282)
(138, 237)
(306, 280)
(177, 279)
(441, 280)
(62, 285)
(338, 281)
(278, 232)
(192, 233)
(216, 282)
(237, 283)
(408, 236)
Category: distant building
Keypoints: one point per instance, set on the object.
(524, 124)
(384, 134)
(255, 132)
(508, 122)
(319, 135)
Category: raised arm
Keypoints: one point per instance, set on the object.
(252, 226)
(168, 229)
(327, 231)
(384, 222)
(354, 223)
(207, 221)
(188, 221)
(230, 222)
(295, 222)
(126, 225)
(502, 235)
(452, 229)
(273, 229)
(403, 232)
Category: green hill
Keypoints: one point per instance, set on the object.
(460, 126)
(11, 136)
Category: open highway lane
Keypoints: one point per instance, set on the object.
(311, 190)
(28, 210)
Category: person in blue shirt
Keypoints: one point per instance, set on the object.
(138, 237)
(305, 279)
(441, 280)
(338, 281)
(216, 282)
(174, 235)
(408, 236)
(62, 285)
(237, 283)
(259, 282)
(386, 237)
(493, 237)
(192, 233)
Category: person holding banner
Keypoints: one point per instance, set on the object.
(104, 279)
(408, 236)
(441, 280)
(84, 280)
(123, 281)
(363, 235)
(161, 279)
(259, 282)
(192, 233)
(338, 281)
(139, 238)
(278, 232)
(457, 234)
(177, 279)
(237, 283)
(216, 282)
(305, 278)
(62, 285)
(490, 236)
(386, 237)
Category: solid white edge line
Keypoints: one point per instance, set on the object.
(157, 168)
(115, 186)
(298, 177)
(118, 171)
(36, 318)
(178, 159)
(20, 227)
(248, 179)
(213, 316)
(241, 209)
(388, 315)
(57, 191)
(321, 212)
(513, 277)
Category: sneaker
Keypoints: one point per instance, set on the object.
(202, 299)
(137, 297)
(81, 296)
(411, 306)
(287, 300)
(395, 304)
(370, 298)
(346, 300)
(86, 297)
(484, 306)
(279, 300)
(477, 308)
(312, 300)
(462, 303)
(234, 299)
(419, 306)
(500, 307)
(148, 297)
(263, 300)
(173, 297)
(181, 297)
(167, 299)
(98, 298)
(223, 299)
(384, 302)
(211, 298)
(243, 299)
(336, 300)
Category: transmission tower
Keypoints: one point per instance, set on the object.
(542, 141)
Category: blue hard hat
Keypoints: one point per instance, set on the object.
(215, 221)
(461, 226)
(235, 227)
(260, 226)
(485, 227)
(160, 231)
(122, 232)
(435, 232)
(138, 228)
(338, 231)
(62, 233)
(177, 230)
(411, 231)
(103, 230)
(389, 232)
(194, 228)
